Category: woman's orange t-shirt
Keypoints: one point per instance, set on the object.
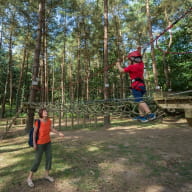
(44, 132)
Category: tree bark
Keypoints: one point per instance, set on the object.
(53, 81)
(165, 64)
(63, 72)
(106, 81)
(35, 67)
(20, 84)
(154, 64)
(1, 33)
(8, 82)
(78, 59)
(44, 65)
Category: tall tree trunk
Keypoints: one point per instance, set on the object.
(63, 63)
(46, 69)
(87, 69)
(63, 73)
(1, 33)
(106, 81)
(4, 97)
(10, 74)
(53, 82)
(35, 67)
(44, 65)
(63, 77)
(20, 84)
(41, 75)
(154, 64)
(87, 62)
(8, 81)
(78, 60)
(25, 93)
(118, 43)
(165, 64)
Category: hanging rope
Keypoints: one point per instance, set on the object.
(169, 27)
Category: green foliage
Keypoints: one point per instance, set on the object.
(74, 38)
(180, 64)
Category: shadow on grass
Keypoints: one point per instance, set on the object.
(12, 150)
(114, 122)
(122, 158)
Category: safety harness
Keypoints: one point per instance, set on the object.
(136, 86)
(137, 79)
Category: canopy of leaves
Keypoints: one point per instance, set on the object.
(74, 36)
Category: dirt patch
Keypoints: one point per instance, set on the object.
(127, 157)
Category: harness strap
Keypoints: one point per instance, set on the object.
(137, 79)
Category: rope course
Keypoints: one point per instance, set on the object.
(99, 108)
(117, 107)
(81, 113)
(125, 107)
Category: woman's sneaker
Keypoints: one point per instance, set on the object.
(151, 116)
(143, 119)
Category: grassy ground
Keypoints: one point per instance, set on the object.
(127, 157)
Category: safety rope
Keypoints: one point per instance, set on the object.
(169, 27)
(179, 93)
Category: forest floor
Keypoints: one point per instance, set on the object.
(126, 157)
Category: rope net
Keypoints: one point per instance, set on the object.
(117, 107)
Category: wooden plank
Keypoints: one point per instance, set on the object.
(175, 105)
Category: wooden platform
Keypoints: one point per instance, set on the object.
(168, 101)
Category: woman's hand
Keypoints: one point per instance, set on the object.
(35, 146)
(61, 134)
(57, 132)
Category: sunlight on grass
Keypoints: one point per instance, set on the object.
(88, 160)
(93, 148)
(9, 160)
(155, 188)
(4, 180)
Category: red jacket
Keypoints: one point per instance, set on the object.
(135, 70)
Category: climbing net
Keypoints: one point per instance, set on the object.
(117, 107)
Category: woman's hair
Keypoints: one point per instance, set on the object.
(41, 112)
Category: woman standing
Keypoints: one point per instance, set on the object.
(42, 145)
